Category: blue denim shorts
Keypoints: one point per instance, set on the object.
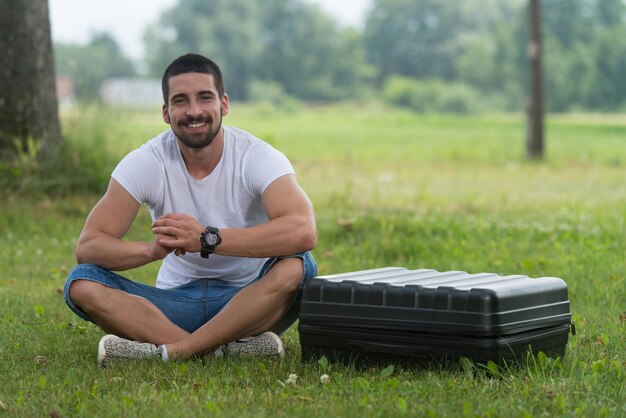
(191, 305)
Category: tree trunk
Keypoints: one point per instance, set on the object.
(534, 132)
(28, 102)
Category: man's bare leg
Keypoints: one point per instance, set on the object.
(252, 311)
(111, 309)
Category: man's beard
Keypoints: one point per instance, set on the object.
(199, 140)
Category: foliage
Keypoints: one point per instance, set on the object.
(21, 167)
(225, 30)
(390, 188)
(585, 51)
(90, 65)
(484, 45)
(305, 51)
(271, 94)
(431, 95)
(480, 44)
(82, 162)
(424, 38)
(288, 42)
(609, 54)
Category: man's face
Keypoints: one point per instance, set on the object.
(194, 109)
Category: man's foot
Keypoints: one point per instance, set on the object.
(267, 344)
(113, 348)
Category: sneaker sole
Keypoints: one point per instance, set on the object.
(281, 349)
(279, 342)
(102, 352)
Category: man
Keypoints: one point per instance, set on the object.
(230, 222)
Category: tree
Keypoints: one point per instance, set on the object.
(306, 52)
(494, 53)
(413, 38)
(90, 65)
(286, 42)
(227, 31)
(28, 103)
(607, 91)
(425, 38)
(584, 44)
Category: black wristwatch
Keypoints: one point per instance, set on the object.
(209, 240)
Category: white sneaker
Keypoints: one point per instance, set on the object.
(267, 344)
(113, 348)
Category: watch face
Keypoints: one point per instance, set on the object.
(210, 239)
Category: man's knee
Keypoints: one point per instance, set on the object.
(85, 293)
(287, 274)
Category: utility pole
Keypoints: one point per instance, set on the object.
(534, 131)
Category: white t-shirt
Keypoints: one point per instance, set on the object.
(230, 197)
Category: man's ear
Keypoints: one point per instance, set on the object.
(166, 114)
(224, 105)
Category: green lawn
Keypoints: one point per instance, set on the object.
(389, 188)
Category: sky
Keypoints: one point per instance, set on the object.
(74, 21)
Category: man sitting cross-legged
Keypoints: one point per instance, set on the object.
(231, 225)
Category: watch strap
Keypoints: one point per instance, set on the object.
(207, 249)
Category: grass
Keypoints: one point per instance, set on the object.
(390, 188)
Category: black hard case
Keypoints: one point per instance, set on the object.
(393, 314)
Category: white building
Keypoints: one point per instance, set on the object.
(133, 92)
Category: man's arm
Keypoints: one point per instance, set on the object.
(100, 241)
(291, 228)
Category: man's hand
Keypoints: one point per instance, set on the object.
(159, 251)
(179, 232)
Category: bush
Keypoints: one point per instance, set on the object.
(272, 94)
(431, 95)
(80, 164)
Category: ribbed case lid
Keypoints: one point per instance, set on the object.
(432, 301)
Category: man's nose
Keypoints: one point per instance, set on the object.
(194, 108)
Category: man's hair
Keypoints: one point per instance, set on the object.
(192, 63)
